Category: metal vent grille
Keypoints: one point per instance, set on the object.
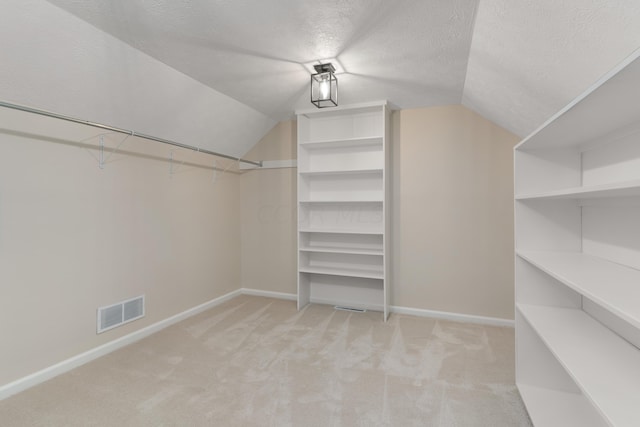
(114, 315)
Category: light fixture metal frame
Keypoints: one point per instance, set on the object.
(324, 72)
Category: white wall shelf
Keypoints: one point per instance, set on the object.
(615, 391)
(558, 408)
(340, 231)
(343, 143)
(337, 250)
(622, 189)
(342, 272)
(343, 206)
(356, 202)
(611, 285)
(342, 172)
(577, 206)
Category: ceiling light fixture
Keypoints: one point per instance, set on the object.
(324, 86)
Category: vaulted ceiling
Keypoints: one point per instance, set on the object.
(516, 62)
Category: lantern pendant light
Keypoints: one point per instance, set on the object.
(324, 86)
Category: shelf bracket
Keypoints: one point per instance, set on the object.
(103, 158)
(173, 168)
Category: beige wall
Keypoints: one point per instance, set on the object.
(74, 237)
(453, 213)
(268, 230)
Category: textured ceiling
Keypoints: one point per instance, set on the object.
(529, 58)
(411, 52)
(515, 62)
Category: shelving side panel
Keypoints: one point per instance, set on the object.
(304, 290)
(612, 232)
(548, 225)
(613, 162)
(534, 286)
(546, 170)
(535, 364)
(387, 210)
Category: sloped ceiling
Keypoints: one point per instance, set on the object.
(529, 58)
(516, 62)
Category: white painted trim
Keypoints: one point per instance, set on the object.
(456, 317)
(268, 294)
(271, 164)
(45, 374)
(338, 303)
(66, 365)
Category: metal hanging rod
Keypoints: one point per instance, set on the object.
(120, 130)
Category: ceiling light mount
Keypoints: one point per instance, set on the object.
(324, 86)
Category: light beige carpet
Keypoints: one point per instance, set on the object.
(259, 362)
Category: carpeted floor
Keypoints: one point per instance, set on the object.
(258, 362)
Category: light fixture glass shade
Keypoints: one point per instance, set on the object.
(324, 86)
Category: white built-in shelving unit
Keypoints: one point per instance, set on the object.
(343, 206)
(577, 204)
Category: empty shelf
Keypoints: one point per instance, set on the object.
(604, 366)
(365, 274)
(342, 172)
(613, 286)
(621, 189)
(551, 407)
(342, 250)
(339, 231)
(346, 142)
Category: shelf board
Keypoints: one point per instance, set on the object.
(610, 104)
(340, 231)
(622, 189)
(548, 407)
(342, 172)
(343, 142)
(340, 201)
(336, 250)
(348, 272)
(612, 286)
(604, 366)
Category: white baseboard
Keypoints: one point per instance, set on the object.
(268, 294)
(327, 301)
(456, 317)
(80, 359)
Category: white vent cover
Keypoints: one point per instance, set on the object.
(120, 313)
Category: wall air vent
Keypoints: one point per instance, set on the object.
(114, 315)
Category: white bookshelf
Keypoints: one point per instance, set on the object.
(577, 205)
(344, 206)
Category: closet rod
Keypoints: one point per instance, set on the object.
(120, 130)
